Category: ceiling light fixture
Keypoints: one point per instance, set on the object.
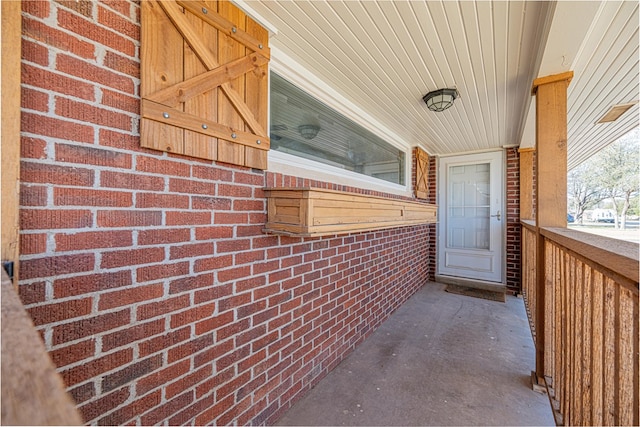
(441, 99)
(309, 131)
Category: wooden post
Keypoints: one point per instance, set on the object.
(10, 122)
(526, 183)
(551, 187)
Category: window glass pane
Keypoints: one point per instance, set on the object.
(303, 126)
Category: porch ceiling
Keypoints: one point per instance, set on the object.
(385, 55)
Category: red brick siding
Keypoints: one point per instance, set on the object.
(431, 198)
(513, 220)
(148, 275)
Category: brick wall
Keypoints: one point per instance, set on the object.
(148, 275)
(431, 198)
(513, 221)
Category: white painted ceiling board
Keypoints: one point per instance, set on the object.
(383, 56)
(606, 74)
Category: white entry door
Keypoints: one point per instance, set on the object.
(471, 217)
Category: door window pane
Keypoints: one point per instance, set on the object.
(469, 198)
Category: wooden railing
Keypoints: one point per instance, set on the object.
(33, 393)
(590, 323)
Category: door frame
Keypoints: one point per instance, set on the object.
(442, 215)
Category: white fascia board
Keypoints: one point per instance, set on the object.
(472, 152)
(529, 133)
(572, 21)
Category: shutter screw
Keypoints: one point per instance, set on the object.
(204, 126)
(258, 142)
(165, 115)
(204, 10)
(260, 46)
(234, 29)
(233, 135)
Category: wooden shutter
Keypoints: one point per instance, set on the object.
(421, 186)
(204, 81)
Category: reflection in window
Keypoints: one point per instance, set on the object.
(303, 126)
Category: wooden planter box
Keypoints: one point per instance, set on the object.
(307, 212)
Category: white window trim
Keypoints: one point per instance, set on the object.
(304, 168)
(288, 164)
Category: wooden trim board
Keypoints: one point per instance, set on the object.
(526, 184)
(619, 256)
(540, 81)
(10, 59)
(307, 212)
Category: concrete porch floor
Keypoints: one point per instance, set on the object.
(440, 359)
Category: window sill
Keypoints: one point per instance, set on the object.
(288, 164)
(313, 212)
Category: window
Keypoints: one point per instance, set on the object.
(305, 127)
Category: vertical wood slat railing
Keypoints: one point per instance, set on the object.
(591, 323)
(529, 275)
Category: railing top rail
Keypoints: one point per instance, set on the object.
(619, 256)
(33, 393)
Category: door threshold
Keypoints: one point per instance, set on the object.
(472, 283)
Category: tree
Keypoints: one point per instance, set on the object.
(617, 174)
(634, 209)
(583, 189)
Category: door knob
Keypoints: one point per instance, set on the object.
(497, 216)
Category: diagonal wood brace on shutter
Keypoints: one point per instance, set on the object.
(191, 36)
(165, 100)
(181, 92)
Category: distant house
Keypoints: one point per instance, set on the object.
(603, 215)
